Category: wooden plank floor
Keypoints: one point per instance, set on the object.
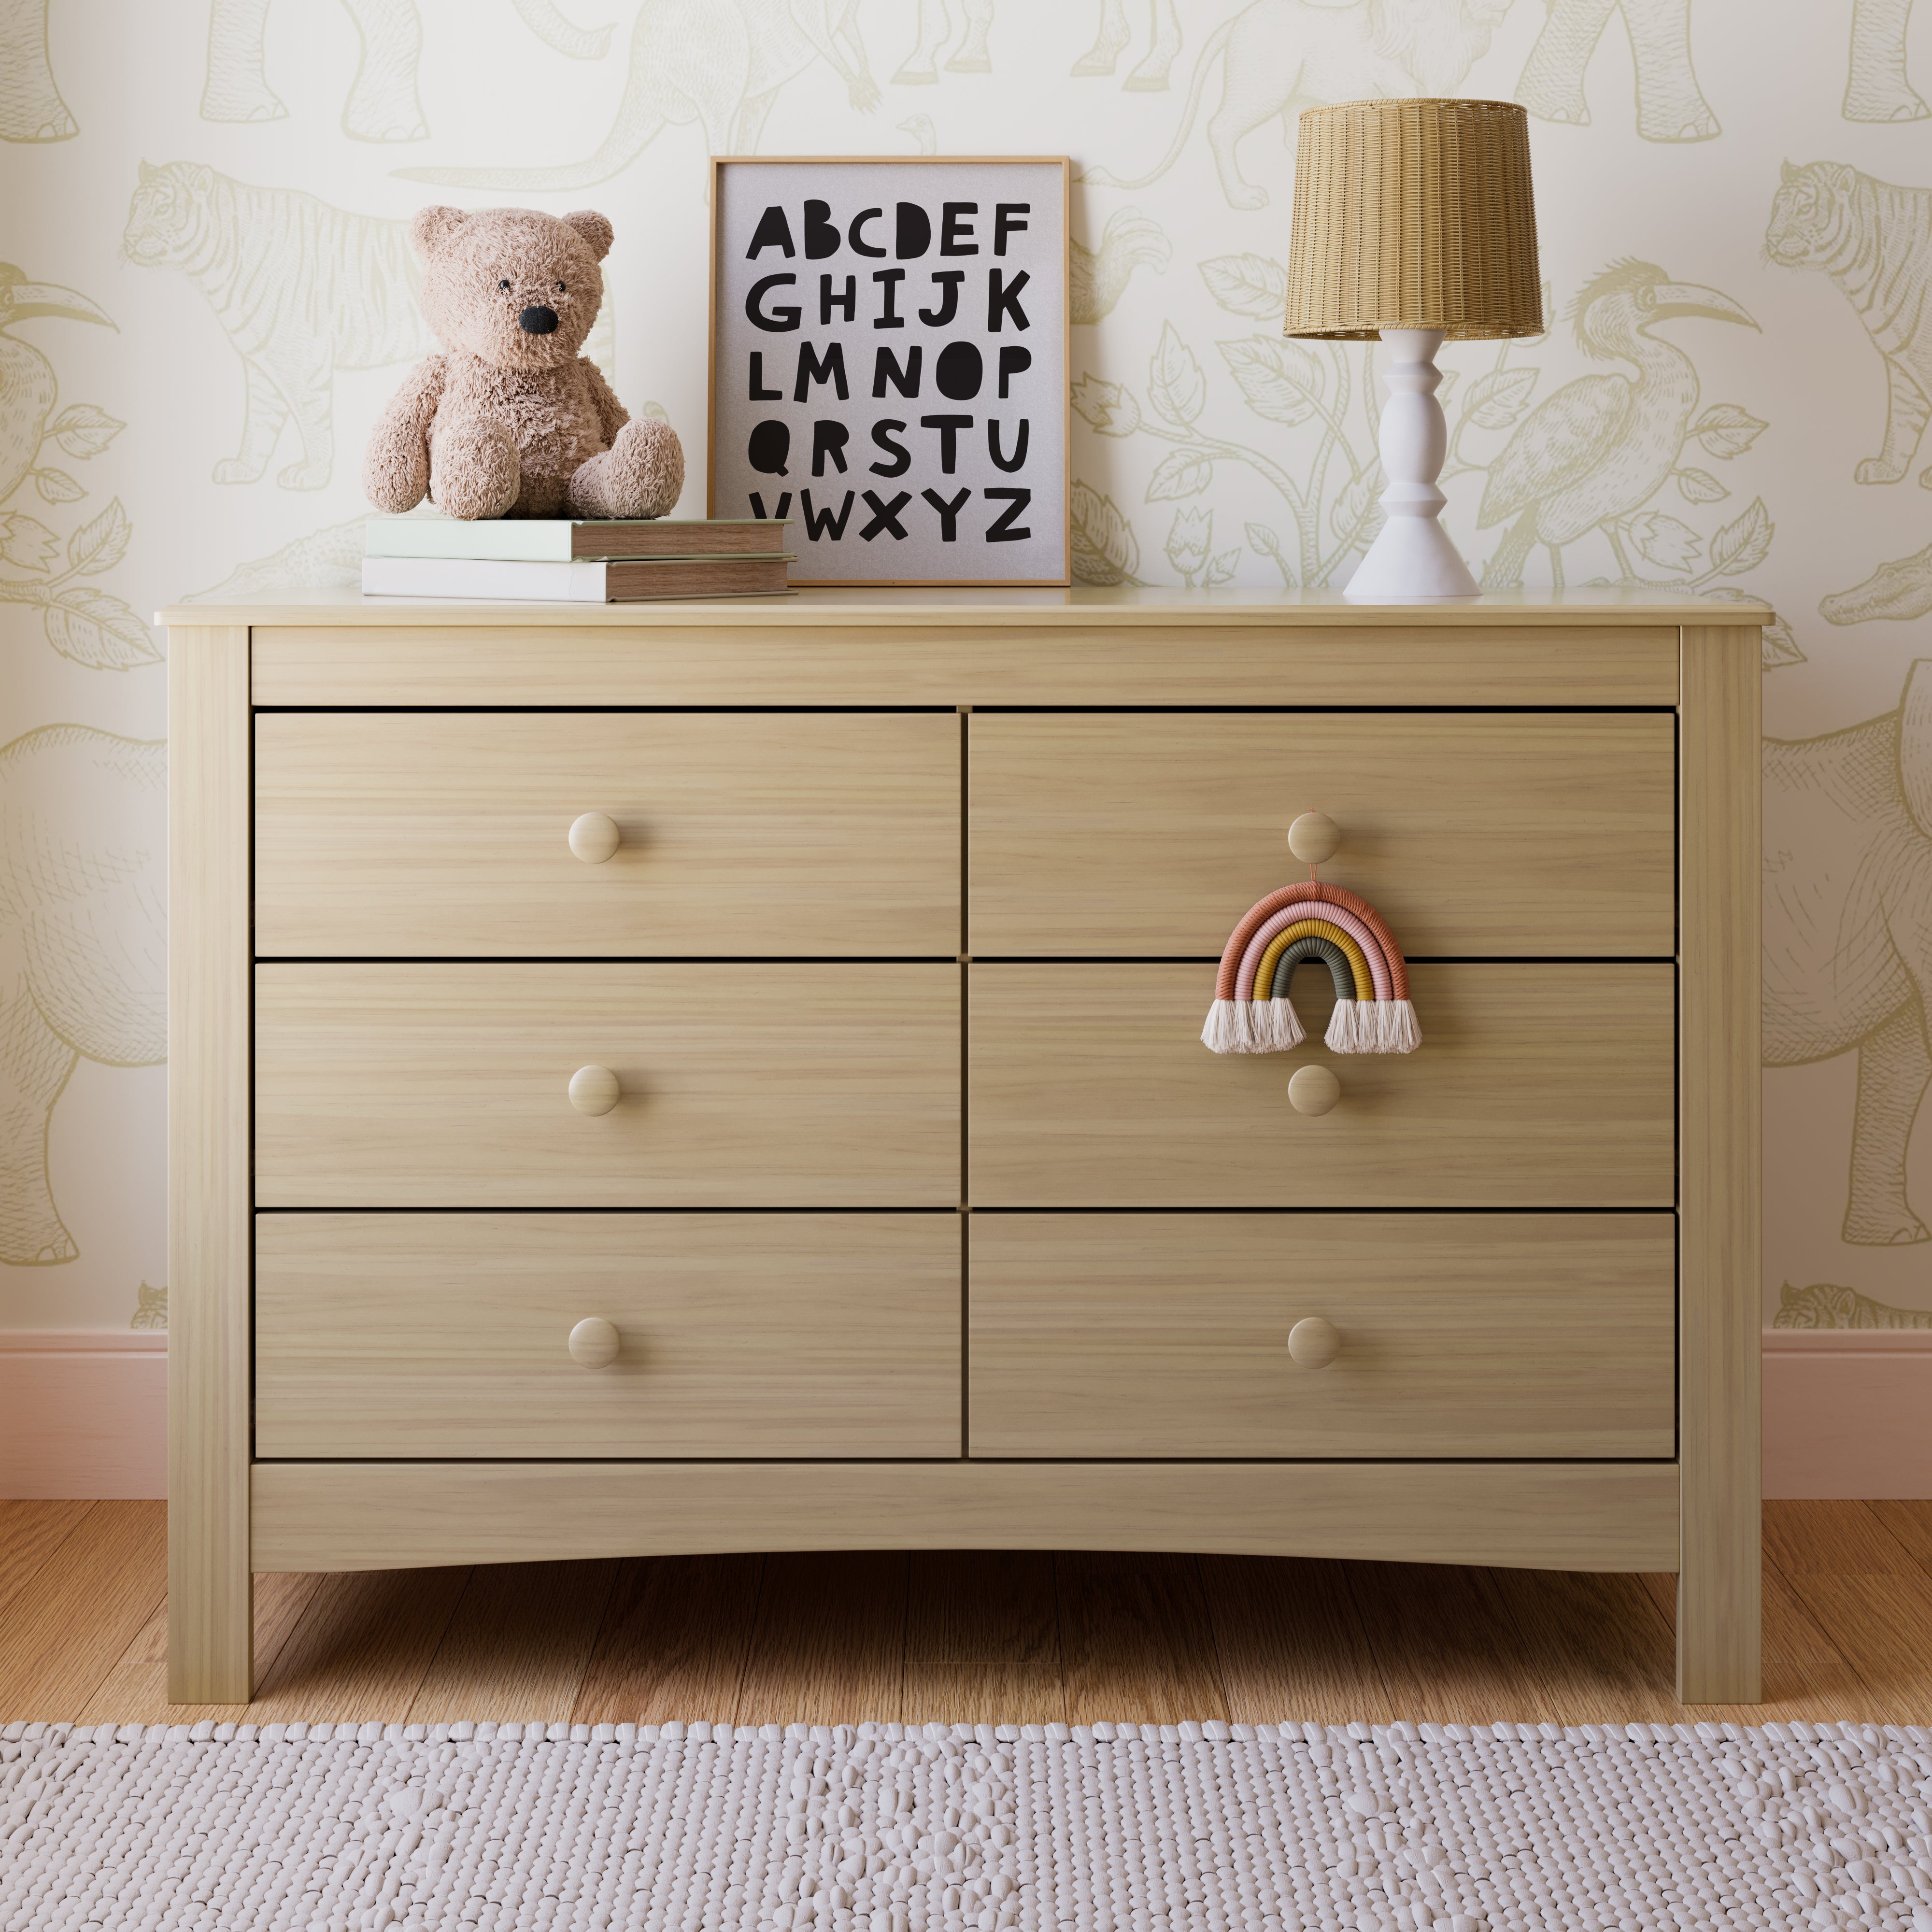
(968, 1636)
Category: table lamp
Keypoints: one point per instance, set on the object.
(1414, 223)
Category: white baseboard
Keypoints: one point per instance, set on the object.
(1848, 1412)
(84, 1412)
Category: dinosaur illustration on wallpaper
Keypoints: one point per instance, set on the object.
(1848, 933)
(1874, 239)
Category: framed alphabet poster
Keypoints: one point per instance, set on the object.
(889, 352)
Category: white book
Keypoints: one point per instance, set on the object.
(587, 581)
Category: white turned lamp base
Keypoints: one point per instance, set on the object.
(1412, 561)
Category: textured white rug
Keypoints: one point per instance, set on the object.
(1212, 1827)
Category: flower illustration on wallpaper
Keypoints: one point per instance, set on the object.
(1276, 57)
(1330, 498)
(1877, 89)
(383, 103)
(1848, 934)
(31, 106)
(1591, 456)
(1874, 240)
(82, 958)
(1670, 105)
(1824, 1304)
(82, 621)
(720, 63)
(1112, 37)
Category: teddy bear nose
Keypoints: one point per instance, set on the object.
(538, 321)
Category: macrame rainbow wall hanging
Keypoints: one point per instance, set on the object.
(1251, 1012)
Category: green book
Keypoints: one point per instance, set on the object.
(560, 540)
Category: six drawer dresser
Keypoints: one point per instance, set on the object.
(730, 1076)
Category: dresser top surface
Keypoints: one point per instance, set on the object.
(1076, 608)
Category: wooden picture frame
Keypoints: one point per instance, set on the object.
(924, 533)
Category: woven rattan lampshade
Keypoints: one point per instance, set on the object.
(1414, 215)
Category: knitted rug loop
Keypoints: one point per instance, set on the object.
(1106, 1828)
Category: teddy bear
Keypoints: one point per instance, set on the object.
(511, 420)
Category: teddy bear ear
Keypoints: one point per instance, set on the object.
(430, 227)
(594, 228)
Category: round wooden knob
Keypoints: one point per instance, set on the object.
(1313, 1342)
(1314, 1089)
(594, 1090)
(594, 836)
(1312, 838)
(593, 1342)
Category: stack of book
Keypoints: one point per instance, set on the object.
(550, 559)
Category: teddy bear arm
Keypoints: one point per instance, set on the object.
(611, 414)
(395, 466)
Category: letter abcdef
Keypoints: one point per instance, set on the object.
(821, 238)
(956, 230)
(773, 231)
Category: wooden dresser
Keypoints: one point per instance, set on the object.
(728, 1076)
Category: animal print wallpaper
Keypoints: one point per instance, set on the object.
(205, 296)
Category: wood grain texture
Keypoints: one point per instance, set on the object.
(1719, 1445)
(982, 1606)
(1124, 833)
(208, 1200)
(673, 1642)
(80, 1609)
(1589, 1645)
(1290, 1642)
(982, 1693)
(807, 1085)
(829, 1644)
(443, 1335)
(1444, 1643)
(395, 833)
(1535, 1086)
(369, 1516)
(1005, 656)
(1135, 1616)
(1542, 1335)
(516, 1648)
(31, 1531)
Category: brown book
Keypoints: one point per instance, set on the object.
(589, 581)
(559, 540)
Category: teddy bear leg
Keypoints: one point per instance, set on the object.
(474, 471)
(640, 475)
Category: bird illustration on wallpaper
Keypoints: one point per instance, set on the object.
(1848, 934)
(719, 63)
(1874, 239)
(1592, 455)
(1878, 89)
(1276, 57)
(82, 952)
(383, 103)
(1670, 105)
(1825, 1305)
(31, 106)
(83, 622)
(1113, 36)
(920, 68)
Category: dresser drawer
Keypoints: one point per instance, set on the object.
(1461, 1335)
(803, 1084)
(1536, 1086)
(1152, 833)
(389, 834)
(448, 1335)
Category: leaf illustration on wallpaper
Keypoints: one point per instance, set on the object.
(920, 67)
(383, 103)
(1878, 89)
(82, 621)
(1595, 455)
(1112, 39)
(1097, 277)
(1104, 549)
(1670, 105)
(1848, 934)
(1874, 240)
(1825, 1305)
(83, 957)
(31, 106)
(1276, 57)
(720, 63)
